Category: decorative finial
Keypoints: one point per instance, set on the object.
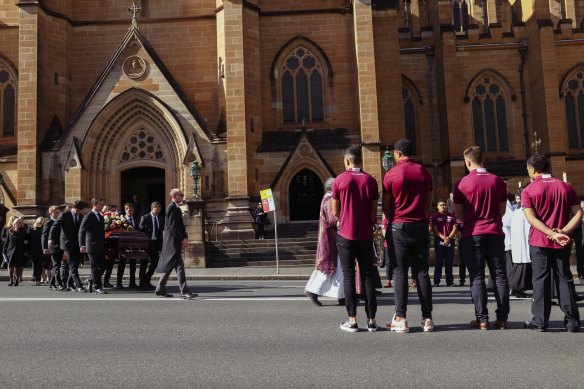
(536, 143)
(134, 9)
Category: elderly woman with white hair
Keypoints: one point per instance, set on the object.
(327, 277)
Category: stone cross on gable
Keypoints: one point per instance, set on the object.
(134, 9)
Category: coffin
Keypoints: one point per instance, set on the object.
(127, 245)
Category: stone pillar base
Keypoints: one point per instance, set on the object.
(195, 253)
(238, 222)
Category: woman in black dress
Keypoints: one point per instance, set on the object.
(36, 250)
(15, 250)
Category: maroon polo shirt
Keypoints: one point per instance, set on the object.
(356, 191)
(444, 223)
(551, 200)
(409, 183)
(481, 193)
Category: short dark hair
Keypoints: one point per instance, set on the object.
(78, 204)
(354, 154)
(540, 163)
(474, 154)
(129, 205)
(96, 200)
(155, 204)
(405, 146)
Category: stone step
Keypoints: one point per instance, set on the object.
(271, 263)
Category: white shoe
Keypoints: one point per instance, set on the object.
(346, 326)
(428, 325)
(401, 327)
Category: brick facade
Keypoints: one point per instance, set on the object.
(214, 70)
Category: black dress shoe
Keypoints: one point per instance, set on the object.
(163, 294)
(150, 286)
(530, 326)
(100, 291)
(188, 296)
(119, 287)
(61, 288)
(107, 285)
(580, 297)
(314, 298)
(132, 286)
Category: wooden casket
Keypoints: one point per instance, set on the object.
(127, 245)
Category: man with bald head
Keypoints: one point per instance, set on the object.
(173, 242)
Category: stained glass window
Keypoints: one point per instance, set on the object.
(302, 87)
(573, 90)
(489, 115)
(7, 102)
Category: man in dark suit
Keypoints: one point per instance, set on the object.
(65, 230)
(53, 249)
(151, 225)
(133, 222)
(174, 240)
(92, 242)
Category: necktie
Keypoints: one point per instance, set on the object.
(132, 221)
(155, 230)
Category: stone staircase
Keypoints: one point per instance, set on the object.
(296, 246)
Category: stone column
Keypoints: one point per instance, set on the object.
(27, 160)
(367, 79)
(195, 254)
(237, 221)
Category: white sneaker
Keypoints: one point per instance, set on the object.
(428, 325)
(346, 326)
(400, 327)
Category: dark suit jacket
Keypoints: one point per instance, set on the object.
(54, 249)
(68, 230)
(92, 233)
(174, 233)
(146, 227)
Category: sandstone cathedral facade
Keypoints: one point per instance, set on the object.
(117, 98)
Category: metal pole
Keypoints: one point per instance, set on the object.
(276, 236)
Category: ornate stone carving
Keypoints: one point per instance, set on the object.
(142, 145)
(134, 67)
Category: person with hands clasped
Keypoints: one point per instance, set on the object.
(444, 228)
(552, 208)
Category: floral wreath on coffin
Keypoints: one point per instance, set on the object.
(114, 221)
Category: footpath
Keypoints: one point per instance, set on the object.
(248, 273)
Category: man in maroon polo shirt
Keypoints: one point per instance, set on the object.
(480, 199)
(407, 189)
(553, 210)
(444, 228)
(354, 203)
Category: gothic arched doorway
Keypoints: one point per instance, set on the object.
(147, 183)
(306, 191)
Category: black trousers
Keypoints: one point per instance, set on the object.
(154, 253)
(37, 267)
(489, 249)
(108, 270)
(362, 250)
(461, 264)
(579, 243)
(122, 268)
(547, 265)
(73, 260)
(411, 245)
(56, 269)
(97, 268)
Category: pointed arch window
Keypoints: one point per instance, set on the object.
(7, 102)
(489, 115)
(302, 87)
(460, 17)
(410, 115)
(573, 92)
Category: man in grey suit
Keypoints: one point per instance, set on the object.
(92, 242)
(174, 240)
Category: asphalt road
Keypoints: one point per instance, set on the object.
(266, 334)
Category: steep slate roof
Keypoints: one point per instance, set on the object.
(134, 33)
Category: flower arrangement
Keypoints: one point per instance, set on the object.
(116, 222)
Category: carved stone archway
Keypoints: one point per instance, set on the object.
(105, 150)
